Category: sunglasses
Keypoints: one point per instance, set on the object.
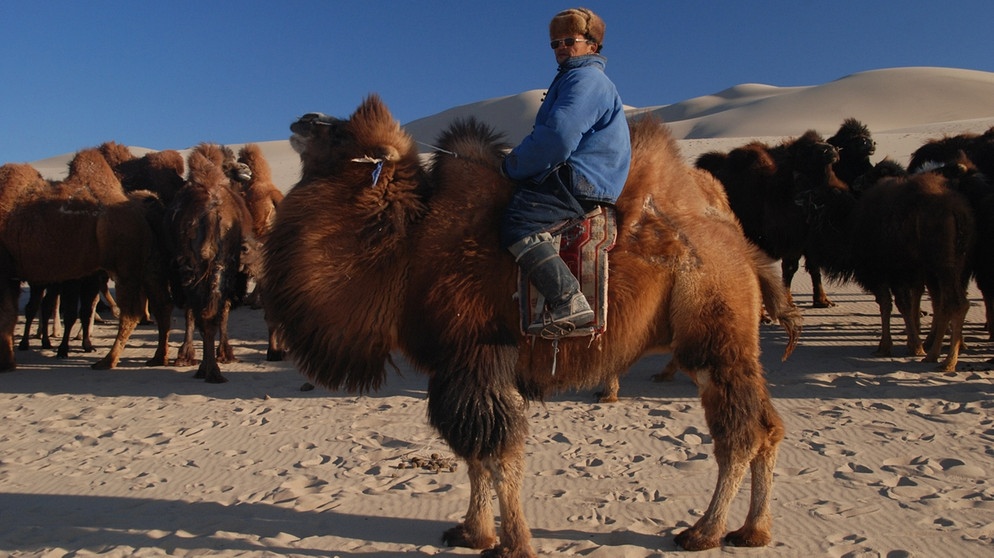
(569, 41)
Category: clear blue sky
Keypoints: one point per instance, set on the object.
(171, 73)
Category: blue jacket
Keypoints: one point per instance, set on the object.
(581, 123)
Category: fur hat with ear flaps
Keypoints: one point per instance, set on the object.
(578, 21)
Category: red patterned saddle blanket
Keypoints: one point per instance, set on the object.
(584, 247)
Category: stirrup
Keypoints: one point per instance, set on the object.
(548, 329)
(554, 324)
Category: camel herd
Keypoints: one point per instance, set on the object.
(373, 252)
(167, 238)
(896, 231)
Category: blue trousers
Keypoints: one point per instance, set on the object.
(538, 207)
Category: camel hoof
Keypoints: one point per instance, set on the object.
(749, 537)
(823, 304)
(23, 346)
(460, 536)
(275, 355)
(603, 397)
(157, 361)
(102, 364)
(182, 362)
(691, 539)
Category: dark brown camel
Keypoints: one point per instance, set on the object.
(974, 153)
(235, 173)
(208, 227)
(900, 236)
(370, 255)
(69, 231)
(762, 183)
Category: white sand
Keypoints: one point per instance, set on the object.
(883, 456)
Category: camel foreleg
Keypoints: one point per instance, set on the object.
(225, 353)
(30, 310)
(209, 371)
(477, 530)
(187, 355)
(508, 474)
(481, 415)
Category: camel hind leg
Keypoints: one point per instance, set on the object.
(132, 309)
(10, 291)
(747, 432)
(949, 309)
(757, 528)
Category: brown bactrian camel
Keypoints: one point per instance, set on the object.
(235, 173)
(208, 227)
(262, 197)
(370, 255)
(69, 230)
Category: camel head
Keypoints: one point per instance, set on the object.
(853, 139)
(369, 139)
(812, 154)
(251, 156)
(237, 172)
(224, 158)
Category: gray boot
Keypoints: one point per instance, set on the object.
(566, 307)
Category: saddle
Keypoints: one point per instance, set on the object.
(584, 247)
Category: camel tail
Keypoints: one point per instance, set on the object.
(778, 303)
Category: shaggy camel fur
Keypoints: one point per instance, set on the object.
(262, 197)
(72, 229)
(369, 255)
(234, 173)
(208, 225)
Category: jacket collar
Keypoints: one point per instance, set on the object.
(573, 62)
